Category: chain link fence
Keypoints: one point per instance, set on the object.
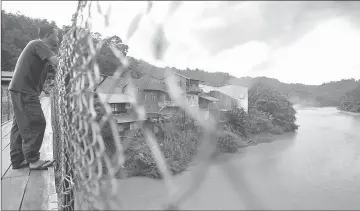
(6, 106)
(90, 162)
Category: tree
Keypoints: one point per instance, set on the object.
(351, 100)
(273, 104)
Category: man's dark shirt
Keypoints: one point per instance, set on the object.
(31, 68)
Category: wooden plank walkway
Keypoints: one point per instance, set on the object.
(25, 189)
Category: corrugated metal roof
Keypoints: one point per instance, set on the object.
(105, 86)
(209, 98)
(234, 91)
(145, 83)
(150, 83)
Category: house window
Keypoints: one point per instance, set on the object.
(118, 108)
(153, 97)
(122, 127)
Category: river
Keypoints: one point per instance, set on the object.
(318, 167)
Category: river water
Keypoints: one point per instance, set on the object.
(318, 167)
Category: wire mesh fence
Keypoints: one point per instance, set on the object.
(91, 153)
(6, 106)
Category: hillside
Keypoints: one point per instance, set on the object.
(327, 94)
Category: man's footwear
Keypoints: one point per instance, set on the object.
(43, 165)
(21, 165)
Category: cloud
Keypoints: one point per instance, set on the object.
(120, 16)
(179, 33)
(287, 45)
(327, 53)
(239, 59)
(60, 12)
(277, 23)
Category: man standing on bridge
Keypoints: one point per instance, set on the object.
(29, 123)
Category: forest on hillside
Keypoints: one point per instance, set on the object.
(18, 30)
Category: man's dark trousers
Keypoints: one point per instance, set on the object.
(28, 128)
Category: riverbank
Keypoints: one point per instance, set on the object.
(251, 141)
(145, 165)
(263, 138)
(348, 112)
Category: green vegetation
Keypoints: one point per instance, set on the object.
(178, 147)
(351, 100)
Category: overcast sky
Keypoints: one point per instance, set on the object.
(306, 42)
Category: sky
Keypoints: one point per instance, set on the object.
(309, 42)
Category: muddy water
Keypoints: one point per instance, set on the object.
(316, 168)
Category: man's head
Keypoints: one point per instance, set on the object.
(49, 34)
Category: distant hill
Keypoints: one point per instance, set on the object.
(327, 94)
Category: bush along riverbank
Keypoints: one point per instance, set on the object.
(270, 114)
(351, 101)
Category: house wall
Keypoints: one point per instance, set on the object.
(171, 110)
(124, 127)
(184, 83)
(150, 99)
(239, 93)
(181, 81)
(194, 82)
(244, 103)
(206, 104)
(127, 127)
(225, 101)
(193, 99)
